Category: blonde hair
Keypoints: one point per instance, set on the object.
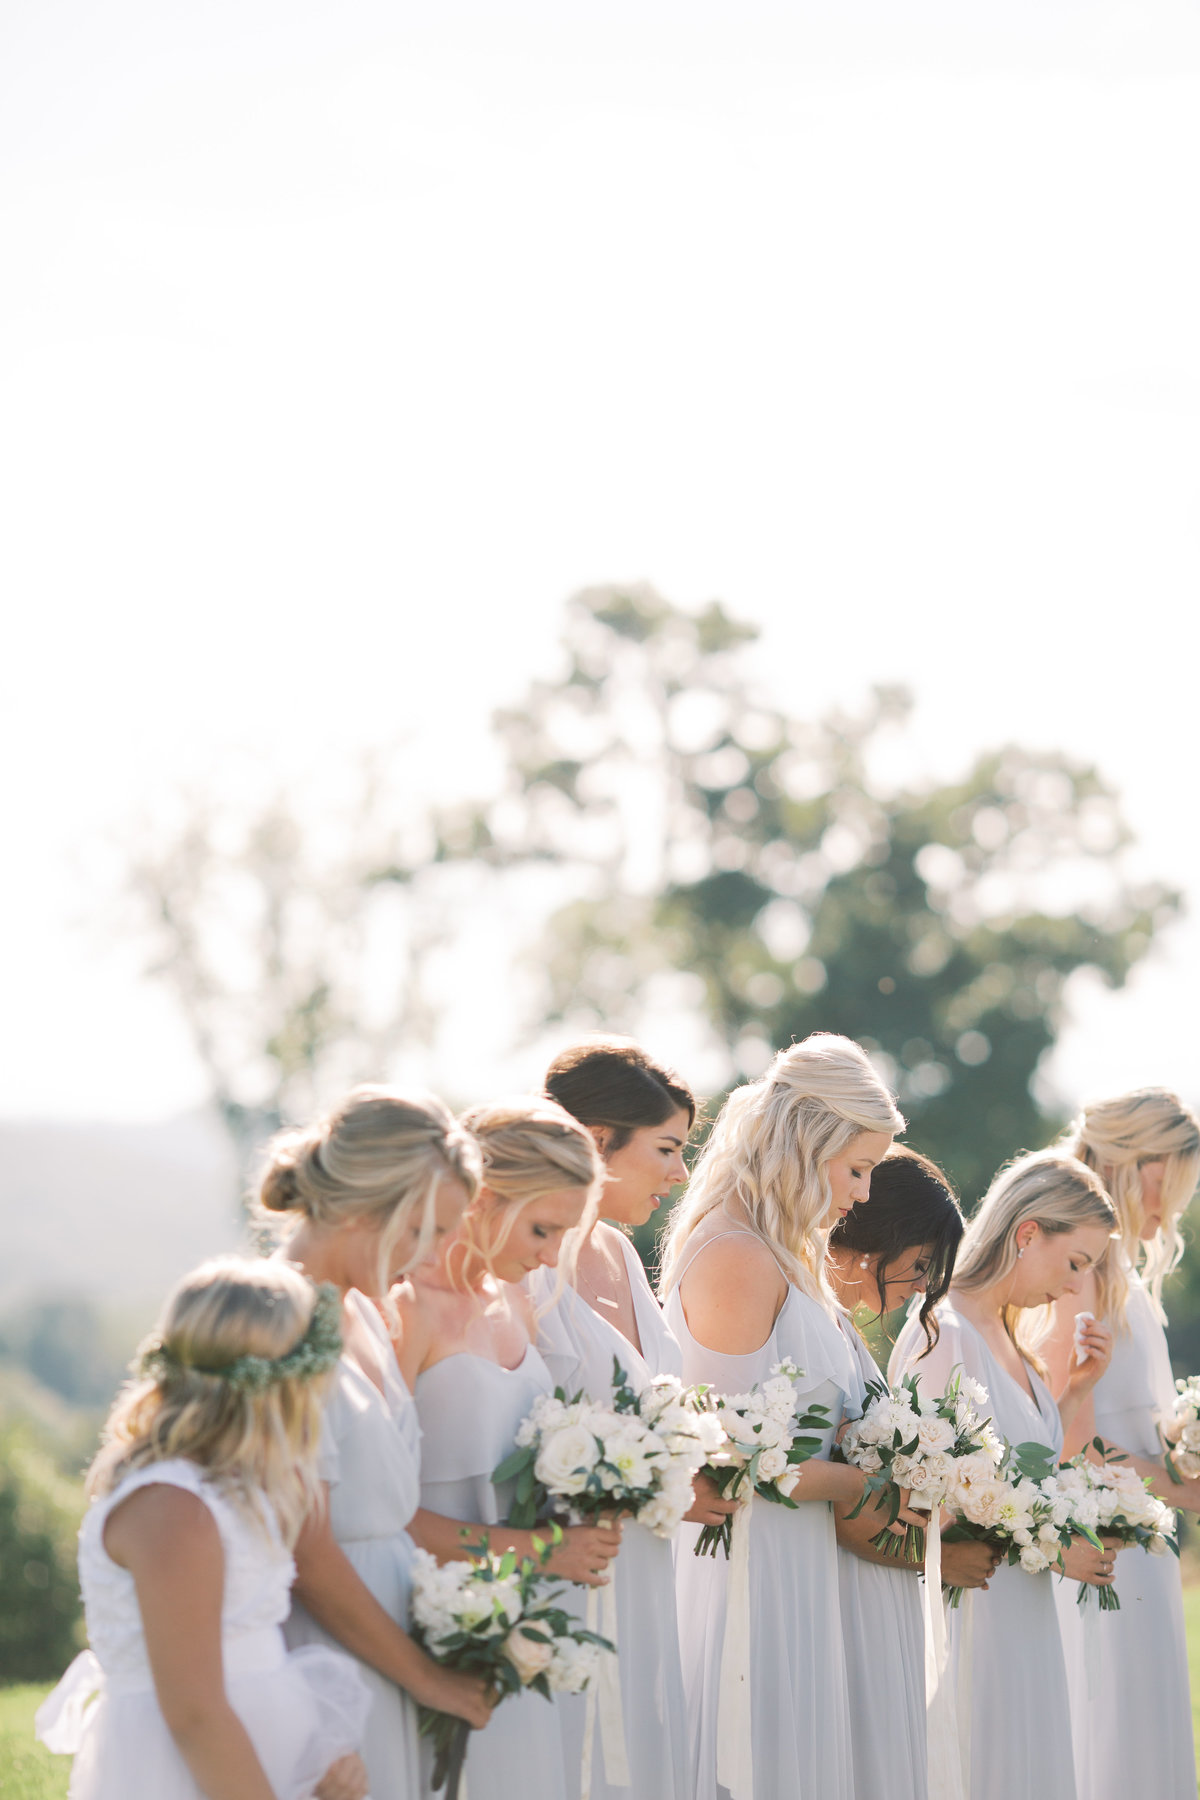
(770, 1148)
(379, 1155)
(251, 1442)
(1060, 1194)
(530, 1147)
(1115, 1137)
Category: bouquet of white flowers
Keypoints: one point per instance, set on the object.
(575, 1459)
(763, 1446)
(1182, 1430)
(1017, 1507)
(906, 1439)
(491, 1616)
(1107, 1499)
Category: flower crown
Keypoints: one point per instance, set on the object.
(315, 1354)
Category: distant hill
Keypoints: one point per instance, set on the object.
(112, 1212)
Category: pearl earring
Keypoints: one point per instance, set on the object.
(863, 1263)
(1020, 1254)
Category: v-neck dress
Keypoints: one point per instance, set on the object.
(371, 1458)
(1133, 1718)
(800, 1719)
(883, 1631)
(579, 1347)
(470, 1409)
(1020, 1709)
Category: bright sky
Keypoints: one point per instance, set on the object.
(340, 341)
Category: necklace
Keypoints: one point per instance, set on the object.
(613, 1305)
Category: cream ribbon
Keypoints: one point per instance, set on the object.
(1091, 1642)
(941, 1724)
(604, 1698)
(962, 1684)
(735, 1759)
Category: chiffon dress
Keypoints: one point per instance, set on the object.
(470, 1409)
(800, 1719)
(1005, 1644)
(1130, 1701)
(883, 1631)
(301, 1711)
(371, 1458)
(579, 1347)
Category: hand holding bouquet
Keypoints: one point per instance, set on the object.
(577, 1460)
(492, 1616)
(926, 1444)
(763, 1446)
(1115, 1502)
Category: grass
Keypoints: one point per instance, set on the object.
(27, 1772)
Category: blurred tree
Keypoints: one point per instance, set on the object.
(291, 929)
(67, 1347)
(39, 1592)
(765, 871)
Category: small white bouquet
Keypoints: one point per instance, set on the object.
(929, 1444)
(1116, 1502)
(1182, 1430)
(1020, 1508)
(764, 1446)
(492, 1616)
(576, 1459)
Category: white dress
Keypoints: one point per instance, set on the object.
(1133, 1719)
(800, 1720)
(302, 1711)
(370, 1456)
(579, 1347)
(470, 1409)
(1020, 1724)
(883, 1631)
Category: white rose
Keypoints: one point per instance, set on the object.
(934, 1434)
(574, 1665)
(771, 1464)
(1034, 1560)
(565, 1459)
(529, 1655)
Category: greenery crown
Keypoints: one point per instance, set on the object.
(315, 1354)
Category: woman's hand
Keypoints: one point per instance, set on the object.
(585, 1553)
(968, 1565)
(1097, 1339)
(709, 1505)
(467, 1697)
(346, 1779)
(1083, 1562)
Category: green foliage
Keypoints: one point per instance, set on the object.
(765, 867)
(27, 1771)
(39, 1592)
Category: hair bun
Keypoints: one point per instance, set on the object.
(281, 1188)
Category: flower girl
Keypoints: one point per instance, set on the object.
(208, 1467)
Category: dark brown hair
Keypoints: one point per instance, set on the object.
(613, 1081)
(911, 1203)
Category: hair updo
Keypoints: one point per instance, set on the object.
(250, 1442)
(529, 1147)
(1115, 1137)
(379, 1155)
(912, 1204)
(614, 1082)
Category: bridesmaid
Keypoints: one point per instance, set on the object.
(880, 1255)
(465, 1345)
(1133, 1723)
(640, 1115)
(366, 1191)
(745, 1286)
(1043, 1224)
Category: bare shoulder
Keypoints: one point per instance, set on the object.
(611, 1241)
(159, 1519)
(731, 1293)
